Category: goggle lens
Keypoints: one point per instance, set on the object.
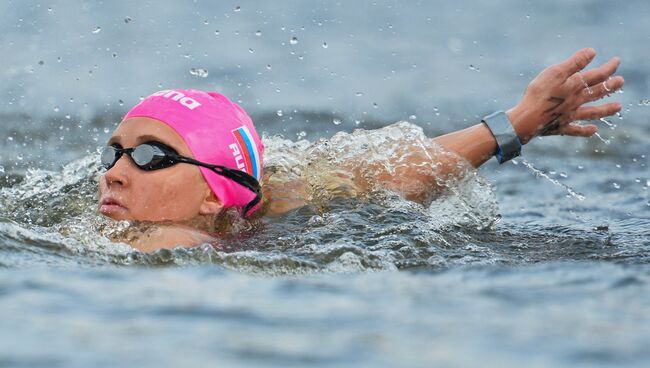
(145, 156)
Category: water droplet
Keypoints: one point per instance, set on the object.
(435, 110)
(216, 32)
(374, 105)
(114, 54)
(279, 112)
(49, 10)
(359, 94)
(336, 121)
(616, 185)
(413, 117)
(474, 68)
(606, 141)
(251, 51)
(56, 109)
(268, 66)
(563, 175)
(127, 19)
(120, 102)
(71, 99)
(357, 122)
(580, 167)
(10, 139)
(58, 59)
(539, 173)
(97, 30)
(606, 122)
(2, 169)
(258, 33)
(206, 22)
(67, 116)
(325, 45)
(106, 130)
(238, 8)
(644, 102)
(527, 16)
(647, 183)
(293, 40)
(41, 62)
(199, 72)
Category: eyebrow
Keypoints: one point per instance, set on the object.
(139, 140)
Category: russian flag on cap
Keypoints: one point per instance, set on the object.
(249, 160)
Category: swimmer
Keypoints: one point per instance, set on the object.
(183, 159)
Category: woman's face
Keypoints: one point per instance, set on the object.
(175, 193)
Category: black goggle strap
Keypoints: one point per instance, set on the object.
(240, 177)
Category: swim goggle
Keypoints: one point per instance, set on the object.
(155, 156)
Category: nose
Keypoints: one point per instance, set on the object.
(120, 173)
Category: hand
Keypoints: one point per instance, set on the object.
(556, 98)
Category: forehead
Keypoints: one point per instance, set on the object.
(134, 131)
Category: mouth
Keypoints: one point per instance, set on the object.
(109, 206)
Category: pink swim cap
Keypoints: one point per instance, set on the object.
(216, 130)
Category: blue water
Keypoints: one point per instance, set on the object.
(509, 270)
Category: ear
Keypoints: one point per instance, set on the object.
(211, 204)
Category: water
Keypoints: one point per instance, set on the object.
(540, 263)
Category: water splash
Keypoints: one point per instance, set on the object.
(199, 72)
(606, 141)
(339, 231)
(540, 174)
(608, 123)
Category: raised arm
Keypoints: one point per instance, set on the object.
(551, 105)
(418, 168)
(553, 101)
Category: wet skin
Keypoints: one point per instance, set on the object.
(177, 193)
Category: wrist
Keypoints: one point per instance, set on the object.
(518, 117)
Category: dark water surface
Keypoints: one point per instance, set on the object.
(544, 261)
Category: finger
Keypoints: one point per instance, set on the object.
(600, 74)
(603, 89)
(577, 62)
(577, 130)
(597, 112)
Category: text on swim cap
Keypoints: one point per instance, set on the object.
(188, 102)
(239, 159)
